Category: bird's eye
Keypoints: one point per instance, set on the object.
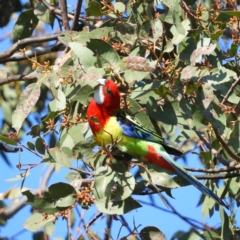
(108, 91)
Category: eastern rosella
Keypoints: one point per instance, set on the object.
(131, 137)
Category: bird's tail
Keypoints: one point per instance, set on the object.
(194, 181)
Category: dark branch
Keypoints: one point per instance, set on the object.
(225, 146)
(230, 91)
(76, 15)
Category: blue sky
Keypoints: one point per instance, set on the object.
(185, 200)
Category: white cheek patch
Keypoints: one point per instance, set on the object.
(98, 95)
(102, 81)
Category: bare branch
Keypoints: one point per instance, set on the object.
(218, 176)
(224, 161)
(70, 16)
(94, 220)
(217, 170)
(230, 91)
(225, 146)
(31, 53)
(27, 41)
(63, 5)
(16, 78)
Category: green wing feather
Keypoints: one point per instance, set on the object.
(143, 132)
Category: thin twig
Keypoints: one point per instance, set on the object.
(94, 220)
(230, 91)
(224, 161)
(225, 146)
(217, 170)
(218, 176)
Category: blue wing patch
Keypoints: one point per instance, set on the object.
(133, 128)
(131, 131)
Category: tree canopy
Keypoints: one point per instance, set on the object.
(176, 64)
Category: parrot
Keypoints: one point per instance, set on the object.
(110, 126)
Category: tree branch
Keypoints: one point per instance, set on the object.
(31, 53)
(16, 78)
(217, 170)
(224, 161)
(23, 43)
(70, 16)
(230, 91)
(63, 5)
(76, 15)
(225, 146)
(218, 176)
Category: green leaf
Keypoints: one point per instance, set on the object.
(40, 145)
(59, 103)
(105, 178)
(8, 140)
(43, 13)
(234, 140)
(36, 221)
(21, 176)
(178, 37)
(49, 229)
(31, 146)
(141, 116)
(71, 137)
(75, 179)
(85, 55)
(27, 101)
(57, 156)
(94, 9)
(151, 233)
(168, 47)
(156, 175)
(165, 114)
(210, 235)
(197, 54)
(83, 95)
(104, 205)
(227, 227)
(24, 26)
(190, 235)
(106, 54)
(119, 6)
(157, 29)
(231, 13)
(125, 186)
(60, 189)
(177, 21)
(35, 131)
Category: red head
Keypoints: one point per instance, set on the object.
(105, 103)
(107, 95)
